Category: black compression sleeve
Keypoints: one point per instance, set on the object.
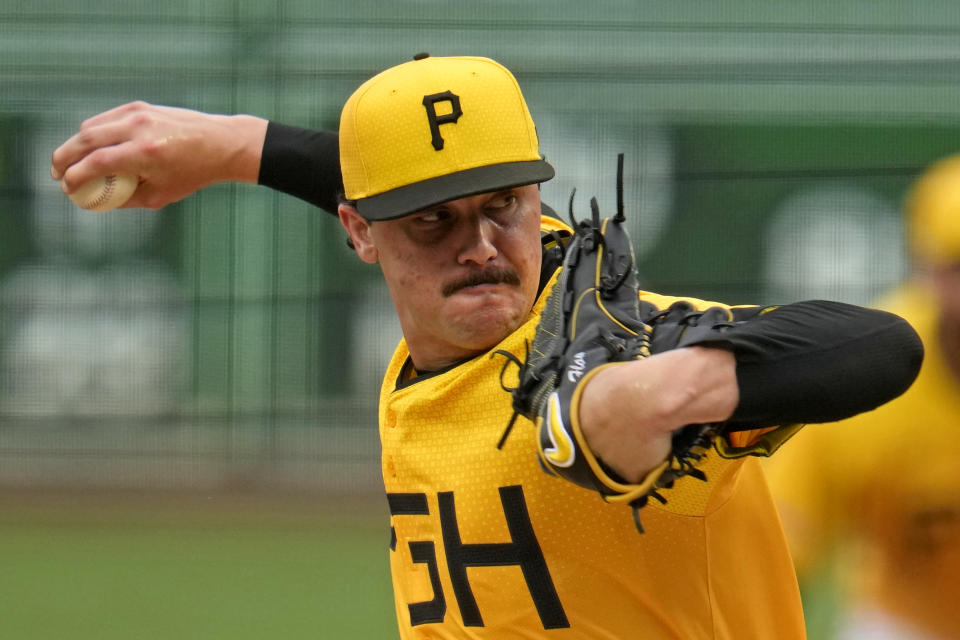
(303, 163)
(819, 361)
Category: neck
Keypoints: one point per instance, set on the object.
(421, 366)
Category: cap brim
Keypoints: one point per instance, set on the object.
(403, 201)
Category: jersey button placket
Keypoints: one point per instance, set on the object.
(390, 419)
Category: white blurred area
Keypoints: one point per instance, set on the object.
(835, 242)
(90, 343)
(91, 328)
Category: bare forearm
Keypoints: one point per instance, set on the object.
(628, 412)
(174, 152)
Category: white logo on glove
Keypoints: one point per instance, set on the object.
(575, 370)
(563, 451)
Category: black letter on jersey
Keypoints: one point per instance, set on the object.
(523, 550)
(429, 103)
(415, 504)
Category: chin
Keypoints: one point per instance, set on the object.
(483, 321)
(489, 330)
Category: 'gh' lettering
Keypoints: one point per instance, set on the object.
(430, 104)
(523, 550)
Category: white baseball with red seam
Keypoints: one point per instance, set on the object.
(106, 192)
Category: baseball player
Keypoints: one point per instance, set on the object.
(885, 516)
(440, 164)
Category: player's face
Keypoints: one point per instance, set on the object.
(463, 275)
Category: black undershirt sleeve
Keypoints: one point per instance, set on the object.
(303, 163)
(818, 361)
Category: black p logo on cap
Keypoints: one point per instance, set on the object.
(429, 103)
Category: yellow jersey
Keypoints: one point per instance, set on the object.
(485, 544)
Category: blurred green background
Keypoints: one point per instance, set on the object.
(188, 440)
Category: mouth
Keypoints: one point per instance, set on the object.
(492, 276)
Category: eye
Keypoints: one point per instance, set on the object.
(433, 217)
(501, 201)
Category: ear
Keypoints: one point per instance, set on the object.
(359, 231)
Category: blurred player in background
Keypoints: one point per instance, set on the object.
(440, 164)
(874, 501)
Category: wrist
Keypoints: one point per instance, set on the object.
(619, 423)
(245, 136)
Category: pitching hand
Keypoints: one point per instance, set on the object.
(173, 151)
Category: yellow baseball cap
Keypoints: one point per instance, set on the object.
(933, 213)
(436, 129)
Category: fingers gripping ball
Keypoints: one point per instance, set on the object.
(106, 192)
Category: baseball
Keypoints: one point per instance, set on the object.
(106, 192)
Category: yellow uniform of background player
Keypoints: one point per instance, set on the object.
(440, 164)
(879, 494)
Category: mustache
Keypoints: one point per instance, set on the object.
(493, 275)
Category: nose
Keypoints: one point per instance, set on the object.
(479, 247)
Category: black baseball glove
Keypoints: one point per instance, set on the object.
(592, 320)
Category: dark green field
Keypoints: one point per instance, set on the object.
(76, 566)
